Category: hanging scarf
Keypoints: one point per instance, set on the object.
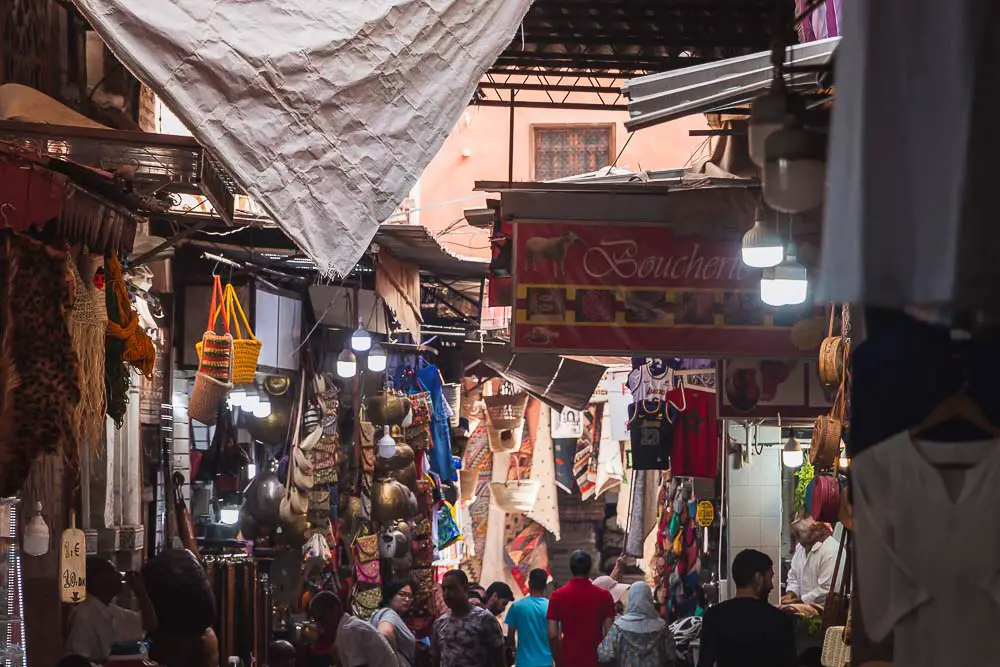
(640, 614)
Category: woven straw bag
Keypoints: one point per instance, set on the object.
(468, 479)
(515, 496)
(215, 351)
(206, 397)
(506, 409)
(834, 351)
(246, 350)
(828, 430)
(836, 653)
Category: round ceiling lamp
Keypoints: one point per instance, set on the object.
(762, 247)
(794, 177)
(347, 364)
(791, 454)
(770, 113)
(377, 359)
(786, 284)
(361, 340)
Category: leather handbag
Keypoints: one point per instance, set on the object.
(838, 600)
(826, 498)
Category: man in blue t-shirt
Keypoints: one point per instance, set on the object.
(526, 620)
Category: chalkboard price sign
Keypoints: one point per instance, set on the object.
(73, 564)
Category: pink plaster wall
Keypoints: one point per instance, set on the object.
(483, 134)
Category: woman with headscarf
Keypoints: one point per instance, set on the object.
(397, 596)
(639, 638)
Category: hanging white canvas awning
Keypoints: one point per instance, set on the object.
(325, 111)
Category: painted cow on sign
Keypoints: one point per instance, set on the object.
(551, 249)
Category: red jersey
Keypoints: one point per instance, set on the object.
(581, 608)
(696, 434)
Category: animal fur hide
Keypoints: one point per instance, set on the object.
(38, 366)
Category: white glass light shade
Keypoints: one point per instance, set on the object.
(386, 446)
(377, 359)
(361, 340)
(36, 534)
(770, 113)
(762, 247)
(263, 408)
(794, 175)
(347, 364)
(229, 515)
(791, 454)
(786, 284)
(237, 397)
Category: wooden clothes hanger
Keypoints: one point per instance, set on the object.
(957, 407)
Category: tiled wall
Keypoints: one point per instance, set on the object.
(755, 508)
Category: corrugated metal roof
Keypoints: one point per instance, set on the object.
(416, 244)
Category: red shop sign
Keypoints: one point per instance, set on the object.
(642, 289)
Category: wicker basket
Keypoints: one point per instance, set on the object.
(515, 496)
(836, 653)
(207, 396)
(506, 410)
(825, 447)
(834, 352)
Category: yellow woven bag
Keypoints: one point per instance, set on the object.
(246, 350)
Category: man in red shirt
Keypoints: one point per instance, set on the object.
(579, 616)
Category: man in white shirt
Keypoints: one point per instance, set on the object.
(357, 643)
(813, 564)
(97, 623)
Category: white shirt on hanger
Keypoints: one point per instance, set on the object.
(811, 572)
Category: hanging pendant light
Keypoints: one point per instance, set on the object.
(263, 408)
(386, 445)
(378, 359)
(791, 454)
(770, 112)
(762, 247)
(794, 175)
(786, 284)
(347, 364)
(361, 340)
(36, 534)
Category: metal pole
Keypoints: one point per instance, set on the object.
(510, 146)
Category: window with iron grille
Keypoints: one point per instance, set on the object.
(569, 150)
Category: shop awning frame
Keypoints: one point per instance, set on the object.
(659, 98)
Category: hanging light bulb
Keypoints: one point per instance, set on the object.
(791, 454)
(786, 284)
(263, 408)
(251, 401)
(36, 534)
(237, 397)
(794, 175)
(771, 112)
(361, 340)
(386, 445)
(347, 364)
(762, 247)
(377, 359)
(845, 461)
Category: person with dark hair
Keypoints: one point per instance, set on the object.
(397, 596)
(498, 596)
(280, 653)
(356, 642)
(579, 616)
(477, 595)
(469, 636)
(746, 631)
(527, 624)
(97, 622)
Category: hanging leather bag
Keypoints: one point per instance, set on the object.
(295, 503)
(838, 600)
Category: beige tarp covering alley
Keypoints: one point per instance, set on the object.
(325, 111)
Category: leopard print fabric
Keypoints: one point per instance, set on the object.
(39, 367)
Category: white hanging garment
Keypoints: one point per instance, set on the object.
(927, 544)
(911, 198)
(326, 111)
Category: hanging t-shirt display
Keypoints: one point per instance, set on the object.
(651, 381)
(652, 434)
(696, 434)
